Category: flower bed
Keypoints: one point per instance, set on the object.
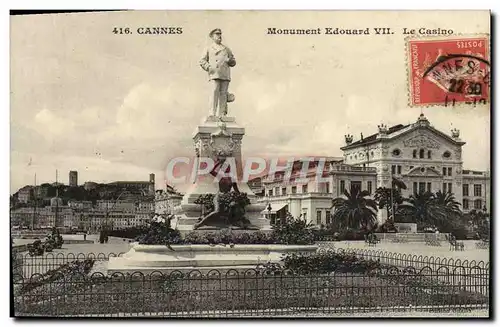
(293, 232)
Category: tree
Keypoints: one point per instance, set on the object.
(450, 207)
(387, 197)
(425, 209)
(477, 217)
(448, 202)
(355, 210)
(483, 230)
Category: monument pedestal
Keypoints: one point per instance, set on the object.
(217, 137)
(204, 258)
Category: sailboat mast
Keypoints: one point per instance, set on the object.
(57, 201)
(34, 207)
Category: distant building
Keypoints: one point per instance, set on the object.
(165, 202)
(80, 205)
(73, 178)
(141, 186)
(256, 186)
(476, 190)
(25, 194)
(303, 196)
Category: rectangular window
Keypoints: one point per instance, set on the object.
(283, 191)
(393, 169)
(304, 188)
(399, 170)
(444, 171)
(444, 187)
(318, 217)
(356, 184)
(415, 188)
(304, 215)
(465, 189)
(277, 191)
(294, 189)
(369, 186)
(342, 187)
(477, 204)
(328, 217)
(429, 185)
(327, 187)
(465, 204)
(449, 171)
(477, 189)
(421, 187)
(449, 188)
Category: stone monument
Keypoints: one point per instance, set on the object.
(218, 136)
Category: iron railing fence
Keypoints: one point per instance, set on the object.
(24, 265)
(413, 260)
(253, 292)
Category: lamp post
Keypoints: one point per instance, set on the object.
(269, 208)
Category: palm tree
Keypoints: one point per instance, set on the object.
(447, 200)
(387, 197)
(424, 208)
(354, 210)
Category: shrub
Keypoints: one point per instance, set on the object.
(225, 236)
(129, 232)
(293, 231)
(352, 235)
(160, 233)
(327, 261)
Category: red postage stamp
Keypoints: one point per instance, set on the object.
(449, 71)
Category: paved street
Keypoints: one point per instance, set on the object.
(57, 257)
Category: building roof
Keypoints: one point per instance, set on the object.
(373, 137)
(129, 182)
(422, 122)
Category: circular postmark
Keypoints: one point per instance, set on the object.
(450, 71)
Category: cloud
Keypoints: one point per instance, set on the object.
(53, 125)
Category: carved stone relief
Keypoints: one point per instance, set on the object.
(421, 141)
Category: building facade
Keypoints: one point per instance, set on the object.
(424, 158)
(476, 191)
(165, 202)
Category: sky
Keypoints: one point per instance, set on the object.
(118, 107)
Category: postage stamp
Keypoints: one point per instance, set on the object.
(448, 71)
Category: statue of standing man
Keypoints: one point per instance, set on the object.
(217, 60)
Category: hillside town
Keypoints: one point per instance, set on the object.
(90, 206)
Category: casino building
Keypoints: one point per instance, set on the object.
(424, 158)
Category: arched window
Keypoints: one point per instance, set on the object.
(414, 153)
(429, 154)
(422, 152)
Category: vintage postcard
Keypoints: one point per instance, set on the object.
(235, 164)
